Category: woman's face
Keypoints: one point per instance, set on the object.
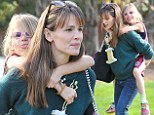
(107, 21)
(129, 16)
(20, 38)
(67, 40)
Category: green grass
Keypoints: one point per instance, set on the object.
(104, 96)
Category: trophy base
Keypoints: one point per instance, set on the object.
(109, 49)
(111, 61)
(57, 112)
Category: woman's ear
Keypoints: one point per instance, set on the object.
(48, 35)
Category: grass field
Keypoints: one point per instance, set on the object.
(104, 96)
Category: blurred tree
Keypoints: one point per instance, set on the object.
(6, 10)
(90, 9)
(148, 20)
(40, 5)
(9, 7)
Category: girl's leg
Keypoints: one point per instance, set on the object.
(137, 72)
(141, 88)
(140, 84)
(125, 92)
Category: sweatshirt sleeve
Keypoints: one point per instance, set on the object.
(140, 45)
(4, 96)
(10, 88)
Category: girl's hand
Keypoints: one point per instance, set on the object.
(54, 79)
(68, 94)
(125, 29)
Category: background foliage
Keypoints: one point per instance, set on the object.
(92, 34)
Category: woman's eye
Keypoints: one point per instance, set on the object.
(69, 29)
(81, 29)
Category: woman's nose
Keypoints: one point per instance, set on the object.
(78, 35)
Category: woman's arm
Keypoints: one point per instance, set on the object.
(79, 65)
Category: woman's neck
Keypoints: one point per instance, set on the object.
(59, 57)
(60, 60)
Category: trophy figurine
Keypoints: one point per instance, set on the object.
(109, 51)
(110, 56)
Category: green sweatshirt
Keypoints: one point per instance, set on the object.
(128, 48)
(13, 91)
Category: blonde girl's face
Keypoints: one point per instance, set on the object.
(130, 16)
(66, 41)
(107, 22)
(20, 38)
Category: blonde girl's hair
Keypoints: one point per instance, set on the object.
(40, 64)
(138, 14)
(30, 23)
(114, 10)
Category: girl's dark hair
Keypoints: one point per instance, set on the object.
(115, 11)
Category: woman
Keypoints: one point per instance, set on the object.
(56, 41)
(126, 49)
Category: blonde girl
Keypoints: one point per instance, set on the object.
(132, 17)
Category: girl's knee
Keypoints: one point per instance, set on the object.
(136, 72)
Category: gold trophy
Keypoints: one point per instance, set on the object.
(109, 51)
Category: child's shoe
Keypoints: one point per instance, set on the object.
(145, 109)
(111, 109)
